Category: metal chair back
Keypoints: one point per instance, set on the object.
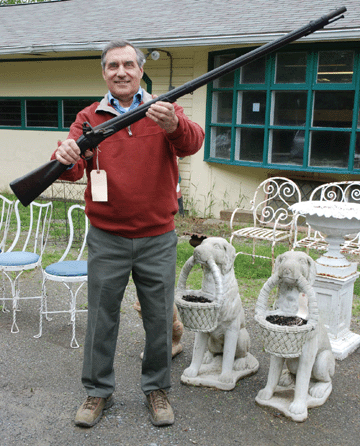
(7, 207)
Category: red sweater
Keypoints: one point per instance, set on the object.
(141, 170)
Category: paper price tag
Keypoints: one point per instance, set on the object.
(99, 190)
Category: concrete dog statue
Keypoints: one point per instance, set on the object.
(220, 357)
(310, 373)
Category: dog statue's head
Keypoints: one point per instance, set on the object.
(291, 264)
(216, 249)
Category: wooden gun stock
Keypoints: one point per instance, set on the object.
(28, 187)
(31, 185)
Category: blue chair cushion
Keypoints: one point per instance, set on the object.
(68, 268)
(18, 258)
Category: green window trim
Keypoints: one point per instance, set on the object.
(227, 122)
(33, 109)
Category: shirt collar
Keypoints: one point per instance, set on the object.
(137, 99)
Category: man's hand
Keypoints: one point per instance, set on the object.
(68, 152)
(163, 113)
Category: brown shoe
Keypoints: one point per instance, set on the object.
(90, 411)
(161, 413)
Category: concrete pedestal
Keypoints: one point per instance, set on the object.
(334, 297)
(334, 285)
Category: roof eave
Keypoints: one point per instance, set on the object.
(248, 39)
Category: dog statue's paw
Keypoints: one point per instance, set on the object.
(265, 394)
(248, 362)
(190, 372)
(226, 377)
(241, 364)
(298, 408)
(318, 390)
(286, 379)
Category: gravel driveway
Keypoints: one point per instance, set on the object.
(40, 391)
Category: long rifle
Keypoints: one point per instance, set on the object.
(30, 186)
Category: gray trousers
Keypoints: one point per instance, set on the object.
(152, 263)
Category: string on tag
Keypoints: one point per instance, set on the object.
(97, 159)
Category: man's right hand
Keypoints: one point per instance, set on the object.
(68, 152)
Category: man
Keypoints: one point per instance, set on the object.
(131, 202)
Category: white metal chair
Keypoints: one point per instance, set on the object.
(6, 211)
(7, 207)
(272, 219)
(68, 271)
(335, 191)
(26, 251)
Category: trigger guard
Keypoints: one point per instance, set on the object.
(86, 158)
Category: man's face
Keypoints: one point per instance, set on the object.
(122, 74)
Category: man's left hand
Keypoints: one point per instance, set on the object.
(163, 113)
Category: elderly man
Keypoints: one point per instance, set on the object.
(131, 202)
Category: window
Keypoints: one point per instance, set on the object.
(41, 113)
(10, 112)
(71, 107)
(294, 110)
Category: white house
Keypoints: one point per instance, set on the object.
(294, 113)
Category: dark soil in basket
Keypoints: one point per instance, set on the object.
(197, 299)
(286, 320)
(195, 239)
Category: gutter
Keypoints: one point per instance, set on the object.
(247, 39)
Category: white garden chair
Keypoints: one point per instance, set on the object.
(26, 251)
(7, 207)
(68, 271)
(342, 191)
(272, 219)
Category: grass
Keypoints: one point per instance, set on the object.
(250, 276)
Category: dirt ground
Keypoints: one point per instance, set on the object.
(40, 391)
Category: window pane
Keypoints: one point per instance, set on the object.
(249, 145)
(222, 107)
(252, 107)
(287, 147)
(290, 107)
(228, 79)
(290, 68)
(329, 149)
(253, 72)
(10, 112)
(220, 145)
(71, 107)
(333, 108)
(41, 113)
(357, 152)
(335, 66)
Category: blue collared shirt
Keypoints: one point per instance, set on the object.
(135, 103)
